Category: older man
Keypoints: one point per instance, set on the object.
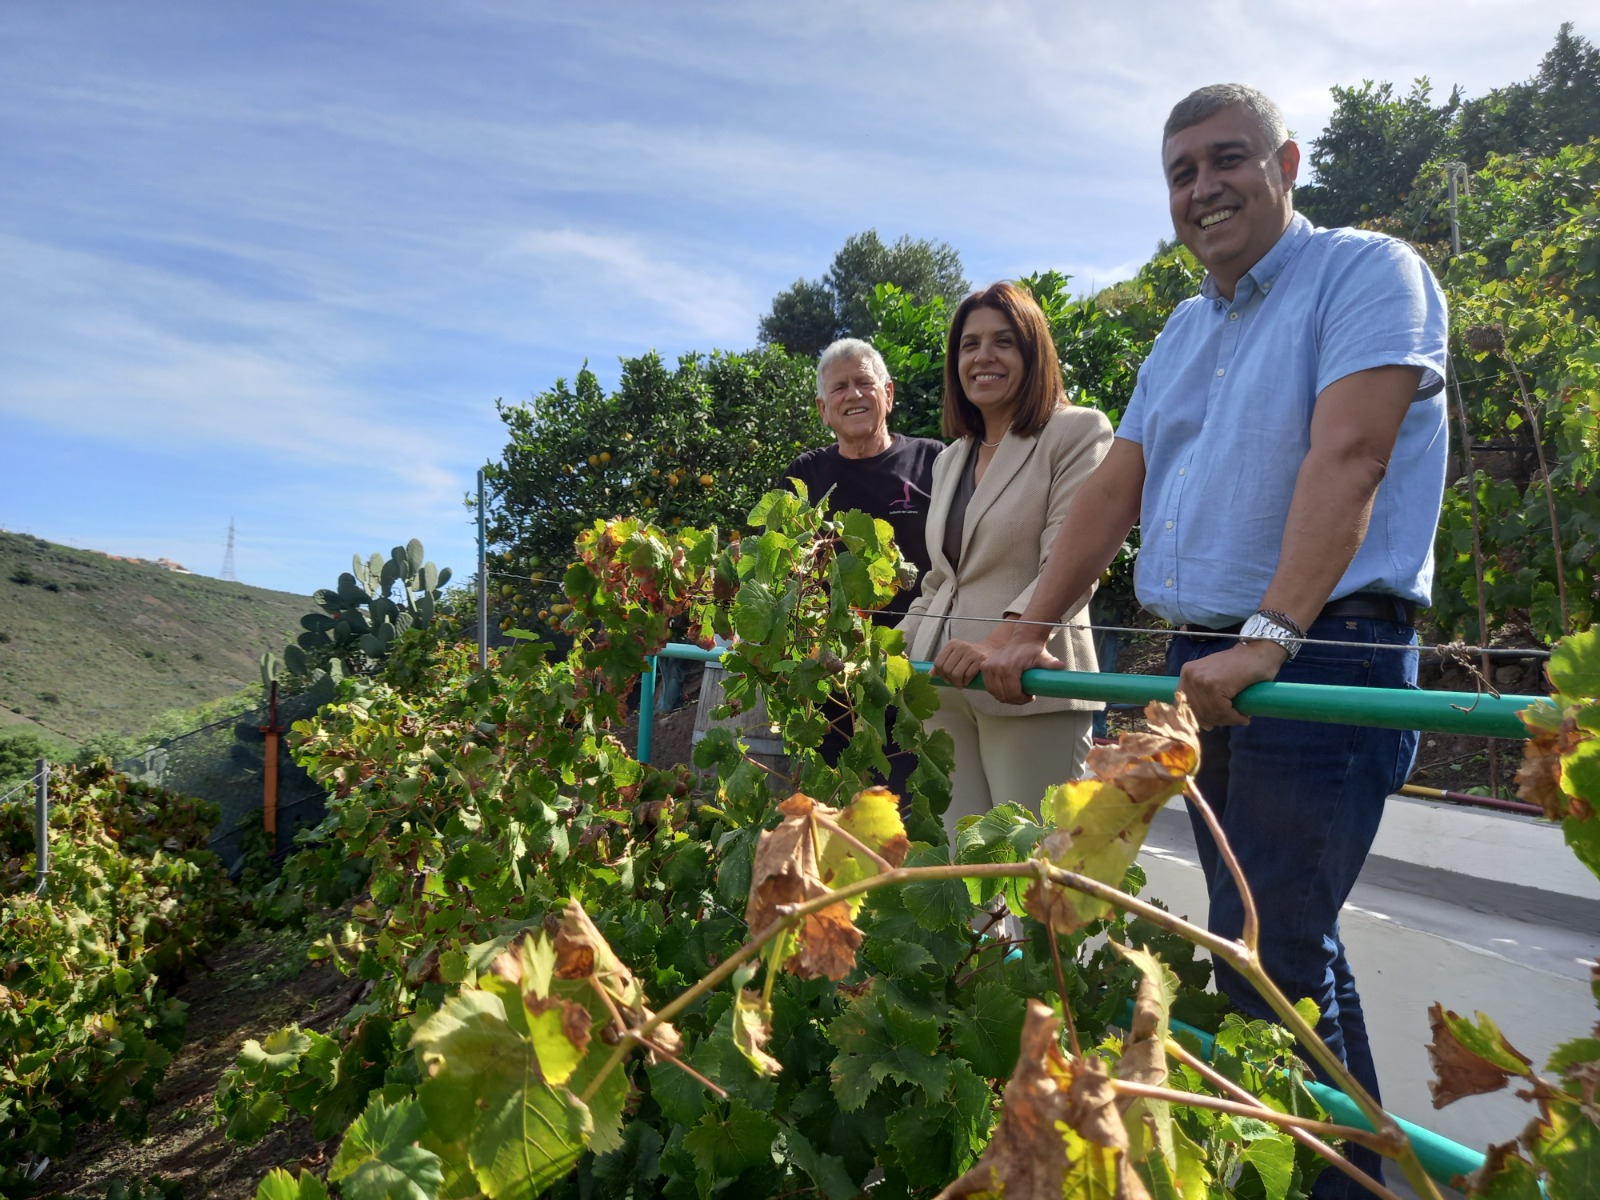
(888, 475)
(1284, 455)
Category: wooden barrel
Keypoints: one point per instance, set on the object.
(752, 726)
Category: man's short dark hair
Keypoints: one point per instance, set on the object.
(1204, 103)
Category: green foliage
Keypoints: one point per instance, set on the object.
(1558, 1154)
(134, 897)
(809, 315)
(20, 752)
(694, 445)
(1526, 302)
(485, 802)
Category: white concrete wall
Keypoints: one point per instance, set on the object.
(1409, 950)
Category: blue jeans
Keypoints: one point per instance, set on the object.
(1300, 803)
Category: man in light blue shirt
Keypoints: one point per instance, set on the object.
(1284, 455)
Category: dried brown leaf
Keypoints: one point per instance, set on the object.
(1144, 1057)
(785, 873)
(582, 952)
(1459, 1071)
(1027, 1157)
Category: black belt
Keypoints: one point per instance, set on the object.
(1376, 606)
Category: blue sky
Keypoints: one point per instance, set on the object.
(274, 262)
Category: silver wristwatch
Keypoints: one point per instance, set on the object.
(1263, 626)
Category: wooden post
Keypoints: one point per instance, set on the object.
(269, 779)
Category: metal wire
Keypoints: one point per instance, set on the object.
(22, 787)
(1447, 650)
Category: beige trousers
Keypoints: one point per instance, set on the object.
(1010, 759)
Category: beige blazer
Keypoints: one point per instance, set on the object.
(1011, 523)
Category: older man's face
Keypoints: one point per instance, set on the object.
(854, 402)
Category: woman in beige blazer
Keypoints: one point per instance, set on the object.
(999, 492)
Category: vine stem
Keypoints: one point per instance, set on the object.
(1145, 1091)
(1261, 1110)
(1250, 935)
(1549, 494)
(1477, 555)
(794, 914)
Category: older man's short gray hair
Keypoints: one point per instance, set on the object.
(1204, 103)
(852, 350)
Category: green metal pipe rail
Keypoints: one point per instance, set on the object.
(1434, 712)
(1479, 715)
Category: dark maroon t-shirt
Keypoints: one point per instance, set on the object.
(893, 486)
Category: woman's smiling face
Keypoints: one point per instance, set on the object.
(991, 366)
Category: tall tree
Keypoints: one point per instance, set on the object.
(810, 314)
(1559, 106)
(1368, 157)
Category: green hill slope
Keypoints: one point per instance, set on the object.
(91, 644)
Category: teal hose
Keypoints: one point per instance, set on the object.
(1441, 1158)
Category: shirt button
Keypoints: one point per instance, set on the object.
(1182, 470)
(1233, 316)
(1267, 286)
(1169, 583)
(1169, 524)
(1221, 371)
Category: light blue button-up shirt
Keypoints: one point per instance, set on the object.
(1223, 409)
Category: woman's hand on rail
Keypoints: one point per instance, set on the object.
(960, 662)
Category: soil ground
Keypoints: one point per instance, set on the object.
(252, 988)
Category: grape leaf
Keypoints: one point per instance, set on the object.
(725, 1146)
(752, 1029)
(827, 1171)
(1273, 1159)
(379, 1158)
(1575, 666)
(280, 1185)
(1469, 1059)
(988, 1031)
(877, 1042)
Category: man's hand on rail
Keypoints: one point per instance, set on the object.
(1022, 650)
(1211, 683)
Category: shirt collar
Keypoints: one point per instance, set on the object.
(1265, 273)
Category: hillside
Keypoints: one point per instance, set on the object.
(91, 644)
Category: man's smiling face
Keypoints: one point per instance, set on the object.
(1229, 191)
(854, 403)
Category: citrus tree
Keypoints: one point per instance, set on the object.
(692, 445)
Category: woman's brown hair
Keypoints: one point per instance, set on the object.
(1041, 392)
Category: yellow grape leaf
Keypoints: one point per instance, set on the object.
(1100, 822)
(752, 1030)
(873, 819)
(559, 1030)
